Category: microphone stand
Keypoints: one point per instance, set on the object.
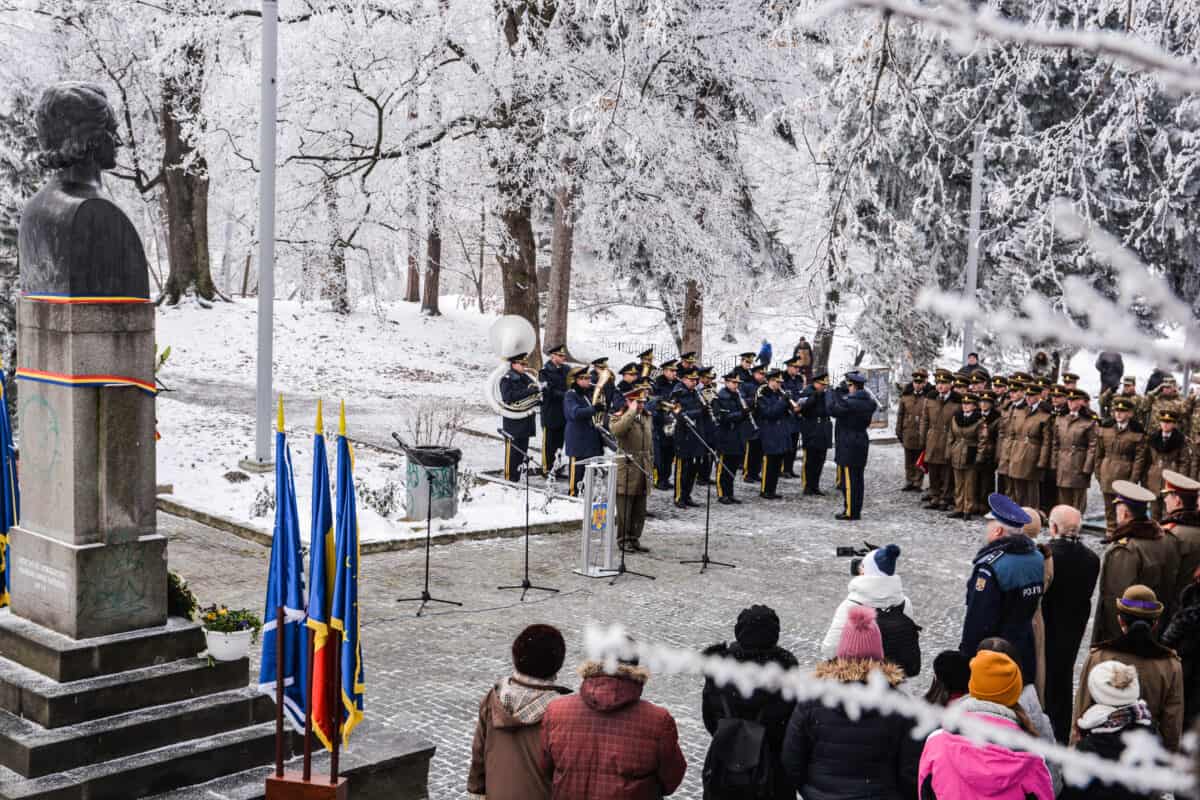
(426, 598)
(525, 585)
(704, 561)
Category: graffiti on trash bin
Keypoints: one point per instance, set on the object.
(441, 478)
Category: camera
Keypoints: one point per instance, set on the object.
(856, 555)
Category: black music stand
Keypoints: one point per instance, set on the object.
(426, 598)
(525, 585)
(704, 561)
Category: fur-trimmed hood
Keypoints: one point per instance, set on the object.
(964, 420)
(1137, 529)
(607, 692)
(1167, 444)
(857, 670)
(1183, 517)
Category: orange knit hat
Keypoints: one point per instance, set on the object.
(996, 678)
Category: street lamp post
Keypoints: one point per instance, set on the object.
(266, 244)
(973, 242)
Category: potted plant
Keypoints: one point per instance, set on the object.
(229, 632)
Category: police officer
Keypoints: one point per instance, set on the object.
(1140, 552)
(689, 444)
(853, 407)
(792, 385)
(733, 423)
(773, 412)
(582, 438)
(1005, 586)
(816, 432)
(553, 376)
(664, 443)
(517, 385)
(752, 463)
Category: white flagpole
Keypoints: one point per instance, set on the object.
(266, 227)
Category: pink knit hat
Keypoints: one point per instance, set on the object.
(860, 636)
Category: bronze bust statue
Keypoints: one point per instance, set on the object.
(73, 240)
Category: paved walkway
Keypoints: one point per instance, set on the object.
(428, 674)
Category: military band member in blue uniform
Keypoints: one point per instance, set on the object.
(745, 368)
(582, 439)
(752, 463)
(816, 432)
(600, 372)
(1005, 586)
(793, 385)
(689, 444)
(708, 395)
(664, 443)
(853, 407)
(733, 425)
(517, 385)
(773, 411)
(553, 377)
(629, 379)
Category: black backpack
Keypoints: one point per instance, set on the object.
(739, 765)
(901, 638)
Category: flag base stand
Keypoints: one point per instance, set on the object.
(292, 786)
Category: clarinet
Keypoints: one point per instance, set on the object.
(746, 408)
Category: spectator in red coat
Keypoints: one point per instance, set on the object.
(607, 743)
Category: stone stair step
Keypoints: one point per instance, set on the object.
(33, 751)
(152, 772)
(29, 694)
(65, 659)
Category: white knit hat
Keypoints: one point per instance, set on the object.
(1114, 684)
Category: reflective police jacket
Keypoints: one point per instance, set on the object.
(1003, 593)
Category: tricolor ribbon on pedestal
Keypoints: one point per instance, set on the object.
(62, 379)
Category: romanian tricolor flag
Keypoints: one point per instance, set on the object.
(10, 493)
(320, 586)
(285, 587)
(344, 611)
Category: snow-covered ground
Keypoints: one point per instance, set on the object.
(385, 366)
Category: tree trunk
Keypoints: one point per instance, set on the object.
(562, 243)
(185, 175)
(518, 272)
(433, 247)
(412, 290)
(482, 242)
(335, 287)
(433, 270)
(693, 320)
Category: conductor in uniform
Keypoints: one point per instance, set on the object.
(816, 432)
(517, 385)
(689, 444)
(732, 425)
(553, 376)
(852, 406)
(582, 439)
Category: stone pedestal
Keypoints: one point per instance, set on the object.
(86, 559)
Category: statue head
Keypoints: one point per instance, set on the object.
(76, 126)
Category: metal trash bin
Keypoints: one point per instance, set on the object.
(435, 467)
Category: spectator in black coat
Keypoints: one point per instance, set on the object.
(1183, 636)
(1102, 727)
(757, 639)
(1111, 368)
(830, 756)
(1066, 609)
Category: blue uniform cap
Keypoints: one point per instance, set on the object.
(856, 377)
(1007, 512)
